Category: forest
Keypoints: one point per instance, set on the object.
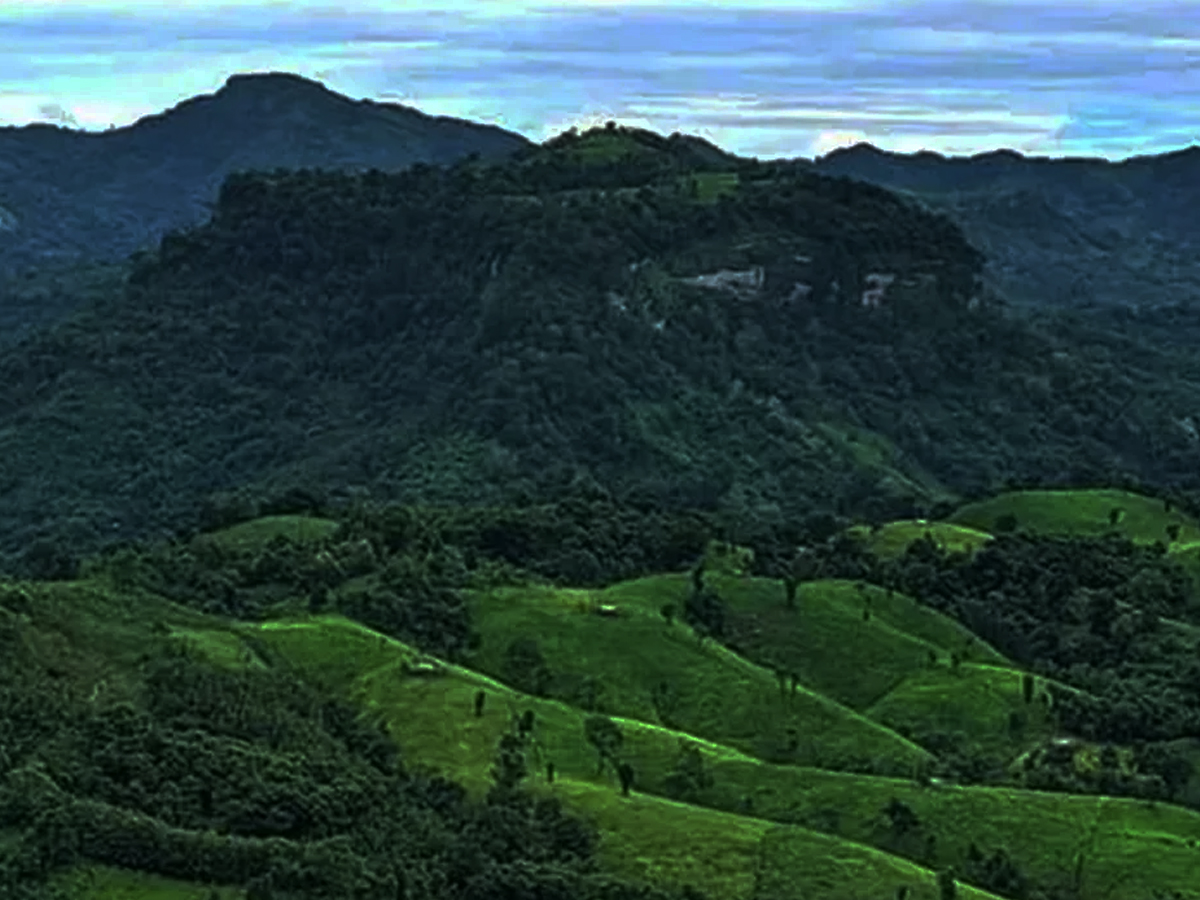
(401, 409)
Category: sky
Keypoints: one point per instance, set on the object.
(1067, 78)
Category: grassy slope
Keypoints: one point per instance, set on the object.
(96, 637)
(432, 721)
(880, 667)
(256, 532)
(718, 694)
(893, 538)
(1082, 512)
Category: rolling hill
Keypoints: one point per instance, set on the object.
(716, 803)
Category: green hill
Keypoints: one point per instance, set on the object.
(430, 715)
(1082, 512)
(893, 538)
(636, 665)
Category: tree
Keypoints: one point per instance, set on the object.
(525, 726)
(790, 584)
(509, 767)
(625, 773)
(525, 668)
(605, 735)
(947, 887)
(550, 772)
(480, 697)
(901, 817)
(1027, 687)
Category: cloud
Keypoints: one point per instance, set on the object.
(771, 80)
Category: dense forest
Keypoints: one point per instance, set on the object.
(515, 375)
(487, 333)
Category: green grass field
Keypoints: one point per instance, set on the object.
(257, 532)
(433, 722)
(774, 821)
(893, 538)
(710, 691)
(1080, 512)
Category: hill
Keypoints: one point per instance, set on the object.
(613, 312)
(74, 197)
(717, 802)
(1058, 232)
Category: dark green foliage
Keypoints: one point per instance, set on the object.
(605, 735)
(525, 668)
(255, 780)
(1115, 514)
(947, 885)
(1017, 722)
(1005, 524)
(480, 697)
(1082, 610)
(525, 725)
(790, 584)
(665, 698)
(1028, 683)
(668, 612)
(447, 300)
(626, 775)
(901, 817)
(705, 611)
(689, 778)
(550, 772)
(1173, 532)
(996, 873)
(509, 768)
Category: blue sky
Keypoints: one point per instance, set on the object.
(1095, 78)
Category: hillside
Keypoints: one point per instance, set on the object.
(1059, 232)
(296, 692)
(69, 197)
(614, 313)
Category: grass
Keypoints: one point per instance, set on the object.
(642, 835)
(892, 540)
(433, 722)
(973, 703)
(709, 691)
(108, 883)
(711, 185)
(812, 639)
(251, 535)
(761, 829)
(1083, 512)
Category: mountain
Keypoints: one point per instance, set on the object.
(1069, 231)
(68, 196)
(615, 312)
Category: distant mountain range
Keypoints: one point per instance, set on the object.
(73, 195)
(1061, 232)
